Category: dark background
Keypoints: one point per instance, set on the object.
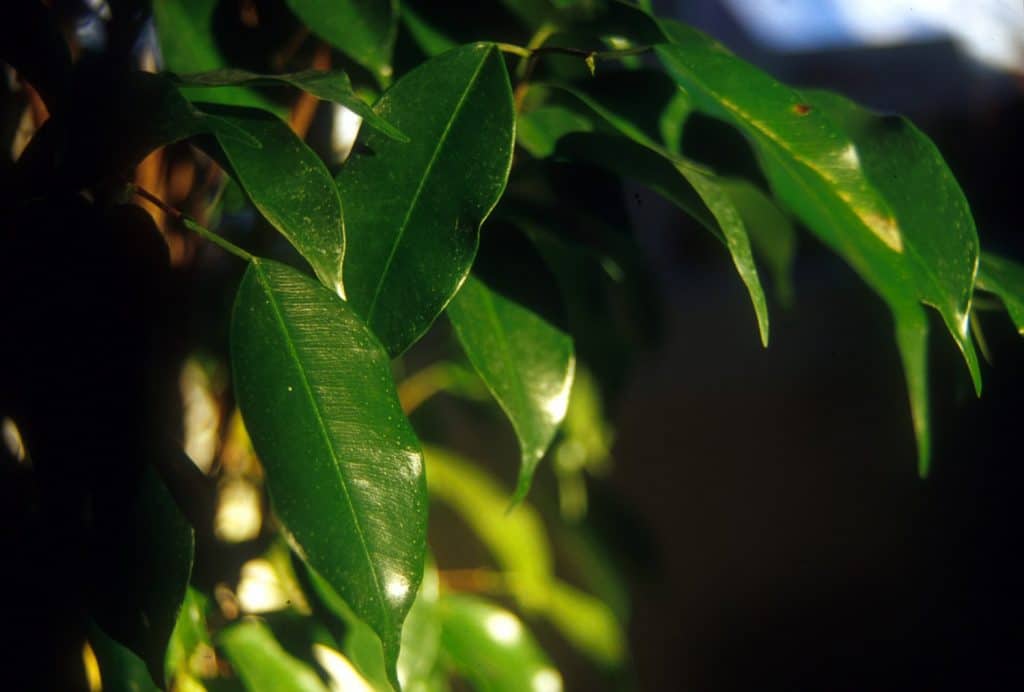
(797, 547)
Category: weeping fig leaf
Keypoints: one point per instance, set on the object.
(520, 546)
(413, 211)
(492, 648)
(940, 256)
(610, 96)
(873, 188)
(289, 184)
(316, 392)
(586, 622)
(808, 145)
(262, 663)
(185, 32)
(1005, 278)
(526, 363)
(772, 233)
(516, 539)
(421, 635)
(190, 651)
(364, 30)
(120, 669)
(146, 547)
(334, 86)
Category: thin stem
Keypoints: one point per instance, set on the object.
(513, 49)
(191, 224)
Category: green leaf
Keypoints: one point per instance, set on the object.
(520, 546)
(940, 244)
(191, 637)
(317, 396)
(429, 38)
(539, 130)
(772, 233)
(586, 622)
(120, 669)
(290, 186)
(515, 538)
(421, 635)
(613, 97)
(334, 86)
(1005, 278)
(364, 30)
(526, 363)
(492, 648)
(809, 147)
(145, 550)
(830, 162)
(262, 664)
(692, 188)
(413, 211)
(185, 31)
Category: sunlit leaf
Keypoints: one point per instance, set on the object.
(772, 233)
(421, 636)
(190, 649)
(526, 362)
(515, 538)
(520, 546)
(146, 550)
(316, 392)
(334, 86)
(1005, 278)
(262, 664)
(289, 185)
(492, 648)
(413, 211)
(364, 30)
(940, 244)
(873, 188)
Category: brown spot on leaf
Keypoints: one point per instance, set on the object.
(801, 109)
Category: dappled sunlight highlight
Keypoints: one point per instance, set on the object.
(239, 511)
(546, 680)
(344, 676)
(202, 415)
(504, 628)
(259, 589)
(14, 442)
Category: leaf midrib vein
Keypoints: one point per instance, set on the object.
(336, 464)
(423, 182)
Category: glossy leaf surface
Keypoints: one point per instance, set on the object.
(289, 185)
(526, 362)
(344, 469)
(772, 233)
(146, 549)
(809, 147)
(413, 211)
(334, 86)
(940, 254)
(647, 121)
(364, 30)
(492, 648)
(262, 664)
(1005, 278)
